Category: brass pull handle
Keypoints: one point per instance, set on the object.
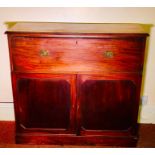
(108, 54)
(44, 53)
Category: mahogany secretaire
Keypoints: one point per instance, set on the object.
(76, 83)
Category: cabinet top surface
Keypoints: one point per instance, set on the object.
(77, 27)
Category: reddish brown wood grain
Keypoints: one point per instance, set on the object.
(113, 141)
(108, 102)
(111, 100)
(45, 102)
(89, 56)
(75, 93)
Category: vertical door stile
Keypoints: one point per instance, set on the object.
(73, 104)
(78, 113)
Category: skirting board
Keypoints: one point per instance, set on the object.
(146, 114)
(6, 112)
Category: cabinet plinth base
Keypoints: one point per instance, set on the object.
(114, 141)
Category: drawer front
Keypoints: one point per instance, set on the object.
(118, 55)
(41, 55)
(60, 55)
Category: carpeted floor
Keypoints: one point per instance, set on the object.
(7, 139)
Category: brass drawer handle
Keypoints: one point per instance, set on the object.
(44, 53)
(108, 54)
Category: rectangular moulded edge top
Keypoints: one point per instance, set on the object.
(78, 28)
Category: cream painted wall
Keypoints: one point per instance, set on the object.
(99, 15)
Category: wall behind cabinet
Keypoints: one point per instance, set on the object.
(98, 15)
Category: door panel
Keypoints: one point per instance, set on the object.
(45, 102)
(107, 104)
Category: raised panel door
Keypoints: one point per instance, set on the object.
(107, 103)
(45, 102)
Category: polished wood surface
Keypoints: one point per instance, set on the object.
(7, 138)
(44, 102)
(114, 97)
(110, 100)
(76, 88)
(47, 100)
(90, 56)
(54, 27)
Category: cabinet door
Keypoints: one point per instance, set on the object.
(45, 102)
(108, 102)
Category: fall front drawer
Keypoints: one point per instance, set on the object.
(72, 55)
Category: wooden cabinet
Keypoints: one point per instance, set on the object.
(76, 83)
